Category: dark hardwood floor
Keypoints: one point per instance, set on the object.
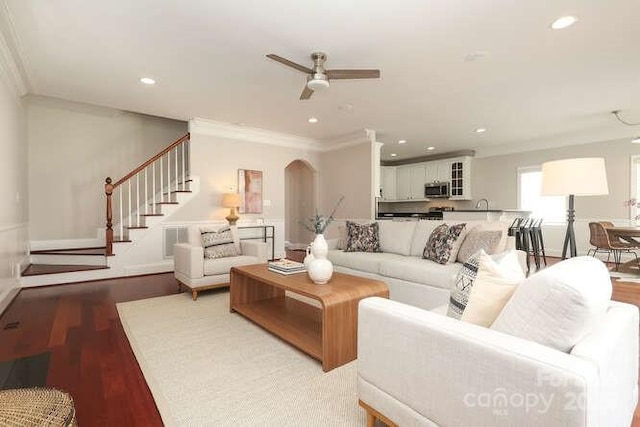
(90, 354)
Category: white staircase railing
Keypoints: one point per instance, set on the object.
(139, 194)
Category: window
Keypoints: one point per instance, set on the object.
(550, 208)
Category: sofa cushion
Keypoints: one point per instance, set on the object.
(560, 305)
(462, 286)
(421, 235)
(441, 245)
(219, 243)
(487, 240)
(363, 261)
(396, 236)
(422, 271)
(213, 267)
(502, 226)
(362, 237)
(494, 284)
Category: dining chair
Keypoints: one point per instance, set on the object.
(602, 241)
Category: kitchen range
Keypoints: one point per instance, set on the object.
(434, 213)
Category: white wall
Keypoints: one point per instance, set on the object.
(218, 151)
(495, 178)
(73, 147)
(348, 172)
(14, 189)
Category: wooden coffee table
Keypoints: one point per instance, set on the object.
(328, 333)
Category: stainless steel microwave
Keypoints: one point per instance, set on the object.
(436, 190)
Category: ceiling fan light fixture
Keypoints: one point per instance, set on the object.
(317, 84)
(564, 22)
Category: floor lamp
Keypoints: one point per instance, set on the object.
(574, 177)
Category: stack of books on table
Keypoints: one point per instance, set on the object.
(286, 267)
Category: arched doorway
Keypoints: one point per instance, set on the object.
(300, 203)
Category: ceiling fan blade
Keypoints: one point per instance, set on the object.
(290, 63)
(353, 74)
(306, 93)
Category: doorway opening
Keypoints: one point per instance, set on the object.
(300, 203)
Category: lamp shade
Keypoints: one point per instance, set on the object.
(580, 177)
(230, 200)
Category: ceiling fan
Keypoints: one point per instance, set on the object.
(318, 77)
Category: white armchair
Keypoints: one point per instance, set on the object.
(195, 272)
(420, 368)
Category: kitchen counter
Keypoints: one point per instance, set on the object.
(492, 210)
(410, 215)
(490, 215)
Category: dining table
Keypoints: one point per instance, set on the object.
(630, 235)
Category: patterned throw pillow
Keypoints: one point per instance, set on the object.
(462, 286)
(441, 241)
(219, 243)
(476, 240)
(362, 237)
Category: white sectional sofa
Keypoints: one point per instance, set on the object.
(563, 354)
(411, 279)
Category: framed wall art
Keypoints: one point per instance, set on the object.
(250, 190)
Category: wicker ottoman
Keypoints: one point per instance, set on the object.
(36, 407)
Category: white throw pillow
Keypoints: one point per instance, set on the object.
(395, 236)
(495, 283)
(560, 305)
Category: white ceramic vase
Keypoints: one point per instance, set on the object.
(320, 268)
(308, 258)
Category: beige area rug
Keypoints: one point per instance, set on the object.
(207, 366)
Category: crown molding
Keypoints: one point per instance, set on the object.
(14, 72)
(249, 134)
(354, 138)
(261, 136)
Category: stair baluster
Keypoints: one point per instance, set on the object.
(129, 206)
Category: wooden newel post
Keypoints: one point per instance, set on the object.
(108, 190)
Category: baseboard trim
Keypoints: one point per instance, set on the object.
(39, 245)
(8, 299)
(139, 270)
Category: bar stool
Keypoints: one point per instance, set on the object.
(536, 236)
(519, 230)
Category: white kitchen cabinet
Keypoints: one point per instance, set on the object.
(437, 170)
(417, 180)
(444, 170)
(403, 182)
(410, 180)
(431, 171)
(460, 178)
(389, 182)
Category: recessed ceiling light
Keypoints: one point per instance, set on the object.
(481, 130)
(312, 120)
(402, 141)
(431, 148)
(147, 81)
(564, 22)
(636, 140)
(393, 154)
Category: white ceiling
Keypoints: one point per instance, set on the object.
(535, 87)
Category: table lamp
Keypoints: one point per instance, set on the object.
(231, 200)
(574, 177)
